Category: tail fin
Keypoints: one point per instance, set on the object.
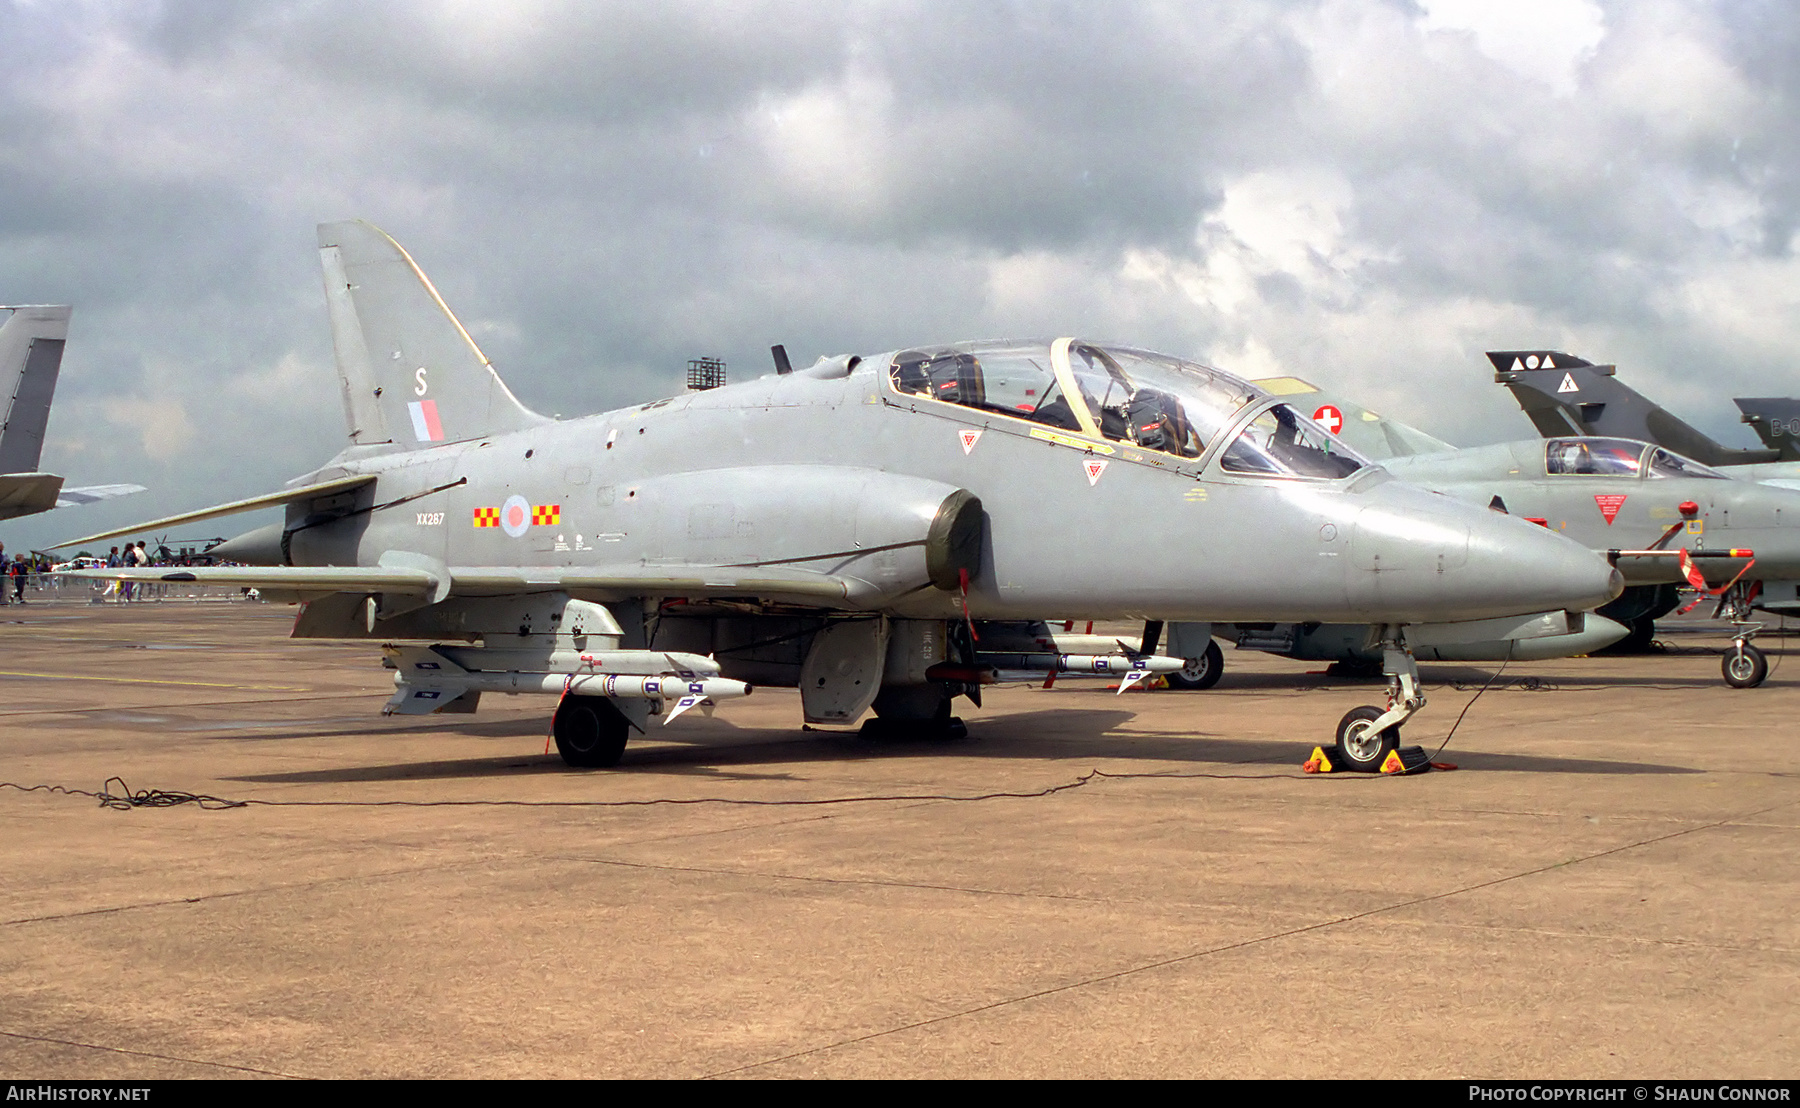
(1776, 421)
(410, 372)
(1566, 395)
(1374, 436)
(31, 351)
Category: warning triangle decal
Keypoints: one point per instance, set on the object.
(1517, 365)
(1610, 503)
(1568, 384)
(969, 439)
(1095, 467)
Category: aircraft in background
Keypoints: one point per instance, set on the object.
(31, 352)
(1566, 395)
(1776, 421)
(841, 528)
(1664, 519)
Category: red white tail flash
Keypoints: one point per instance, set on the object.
(426, 427)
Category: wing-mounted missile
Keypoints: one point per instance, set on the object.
(549, 643)
(1129, 666)
(429, 679)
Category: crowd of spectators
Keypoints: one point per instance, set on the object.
(22, 570)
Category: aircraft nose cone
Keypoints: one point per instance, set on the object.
(1532, 565)
(1450, 561)
(1525, 566)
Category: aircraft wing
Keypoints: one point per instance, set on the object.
(776, 583)
(24, 494)
(268, 500)
(88, 494)
(305, 581)
(601, 583)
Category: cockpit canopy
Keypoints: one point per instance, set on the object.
(1597, 457)
(1151, 401)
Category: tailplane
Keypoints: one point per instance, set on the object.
(1566, 395)
(1776, 421)
(410, 373)
(31, 351)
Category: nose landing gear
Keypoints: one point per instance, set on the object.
(1367, 735)
(1745, 667)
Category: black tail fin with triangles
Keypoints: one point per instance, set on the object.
(410, 373)
(1566, 395)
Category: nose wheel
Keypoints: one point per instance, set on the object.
(1367, 735)
(1360, 745)
(1744, 666)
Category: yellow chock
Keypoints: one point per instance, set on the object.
(1320, 762)
(1408, 759)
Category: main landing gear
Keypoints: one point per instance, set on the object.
(590, 732)
(1367, 735)
(1199, 673)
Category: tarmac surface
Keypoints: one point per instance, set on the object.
(1607, 886)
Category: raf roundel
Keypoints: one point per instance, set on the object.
(515, 516)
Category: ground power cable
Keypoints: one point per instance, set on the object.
(125, 798)
(1495, 676)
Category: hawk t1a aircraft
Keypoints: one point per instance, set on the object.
(839, 528)
(31, 351)
(1665, 519)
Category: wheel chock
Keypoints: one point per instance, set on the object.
(1320, 762)
(1405, 760)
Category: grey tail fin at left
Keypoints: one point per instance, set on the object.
(31, 351)
(410, 373)
(1566, 395)
(1776, 421)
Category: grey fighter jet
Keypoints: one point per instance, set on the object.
(31, 351)
(840, 528)
(1665, 519)
(1564, 394)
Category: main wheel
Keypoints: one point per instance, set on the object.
(589, 731)
(913, 712)
(1745, 667)
(1360, 748)
(1202, 672)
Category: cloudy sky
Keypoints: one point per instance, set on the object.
(1366, 193)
